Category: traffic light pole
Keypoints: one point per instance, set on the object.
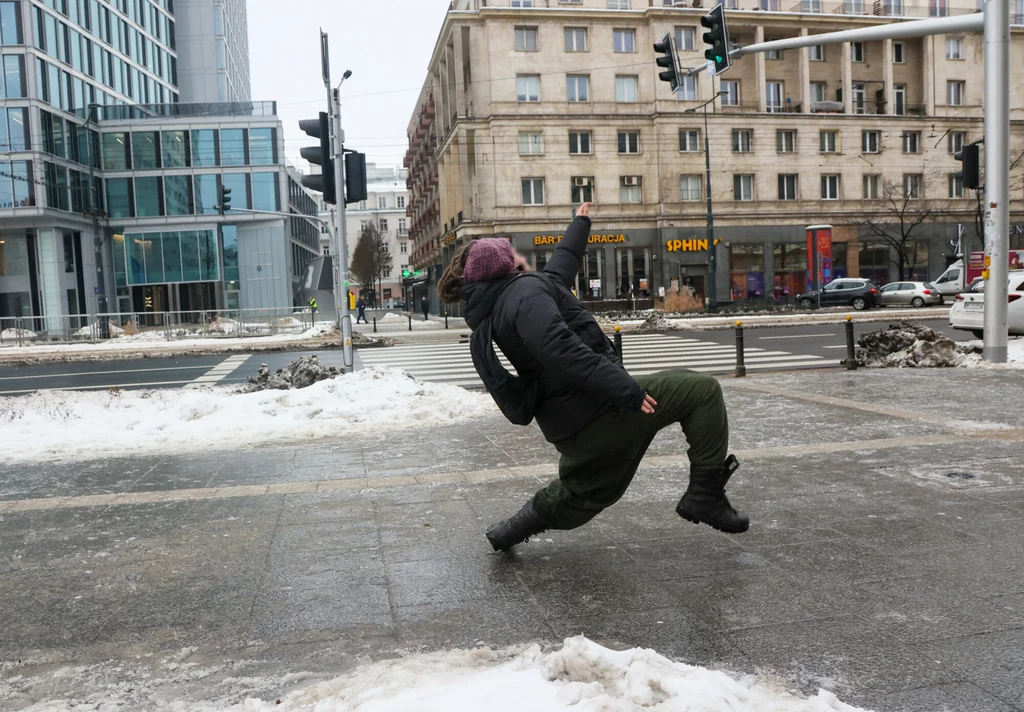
(341, 241)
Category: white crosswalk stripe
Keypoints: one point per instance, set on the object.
(642, 354)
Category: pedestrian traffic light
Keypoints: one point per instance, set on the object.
(224, 200)
(667, 49)
(970, 160)
(320, 156)
(717, 39)
(355, 177)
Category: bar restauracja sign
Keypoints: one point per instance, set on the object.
(599, 239)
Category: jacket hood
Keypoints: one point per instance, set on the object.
(480, 298)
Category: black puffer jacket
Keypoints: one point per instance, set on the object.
(547, 335)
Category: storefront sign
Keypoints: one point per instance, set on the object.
(448, 239)
(594, 239)
(688, 245)
(595, 284)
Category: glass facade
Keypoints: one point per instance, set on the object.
(206, 194)
(874, 262)
(13, 79)
(746, 271)
(119, 197)
(14, 130)
(13, 256)
(789, 263)
(232, 147)
(148, 197)
(204, 148)
(178, 195)
(116, 151)
(145, 150)
(166, 257)
(174, 147)
(238, 184)
(262, 148)
(633, 266)
(264, 192)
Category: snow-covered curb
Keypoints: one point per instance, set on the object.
(582, 677)
(710, 323)
(60, 425)
(1014, 355)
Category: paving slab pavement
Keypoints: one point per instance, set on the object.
(883, 562)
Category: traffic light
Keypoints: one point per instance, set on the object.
(320, 155)
(668, 60)
(355, 177)
(717, 39)
(224, 199)
(970, 159)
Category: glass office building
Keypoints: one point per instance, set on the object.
(109, 184)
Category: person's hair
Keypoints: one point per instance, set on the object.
(451, 281)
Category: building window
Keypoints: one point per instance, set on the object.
(830, 187)
(956, 186)
(401, 202)
(522, 3)
(689, 140)
(579, 142)
(954, 48)
(582, 189)
(787, 186)
(684, 39)
(178, 195)
(857, 51)
(785, 141)
(382, 226)
(577, 87)
(816, 53)
(818, 92)
(10, 25)
(531, 143)
(232, 147)
(869, 141)
(403, 247)
(624, 40)
(116, 151)
(955, 93)
(872, 187)
(265, 192)
(238, 184)
(956, 141)
(772, 53)
(149, 197)
(774, 97)
(629, 142)
(174, 149)
(828, 141)
(533, 191)
(899, 53)
(743, 187)
(912, 142)
(689, 187)
(625, 89)
(382, 202)
(526, 39)
(618, 4)
(575, 39)
(900, 96)
(742, 140)
(262, 147)
(687, 89)
(204, 148)
(403, 229)
(205, 194)
(912, 186)
(631, 189)
(731, 87)
(528, 87)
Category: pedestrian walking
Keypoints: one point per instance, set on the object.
(599, 418)
(312, 308)
(425, 308)
(361, 309)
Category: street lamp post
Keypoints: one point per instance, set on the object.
(712, 281)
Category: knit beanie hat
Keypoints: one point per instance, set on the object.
(489, 258)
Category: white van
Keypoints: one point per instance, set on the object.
(952, 281)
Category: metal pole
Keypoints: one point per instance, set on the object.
(712, 286)
(618, 341)
(997, 174)
(851, 351)
(741, 366)
(339, 181)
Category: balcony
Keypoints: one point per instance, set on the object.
(136, 112)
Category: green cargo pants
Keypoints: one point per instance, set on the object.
(598, 463)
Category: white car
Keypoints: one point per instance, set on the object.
(968, 311)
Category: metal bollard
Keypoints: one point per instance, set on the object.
(410, 321)
(375, 325)
(851, 353)
(741, 366)
(618, 341)
(446, 318)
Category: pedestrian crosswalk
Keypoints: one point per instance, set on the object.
(641, 354)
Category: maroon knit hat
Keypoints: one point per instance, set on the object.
(489, 258)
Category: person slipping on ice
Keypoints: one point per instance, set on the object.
(599, 418)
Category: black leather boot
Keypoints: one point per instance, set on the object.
(705, 501)
(517, 528)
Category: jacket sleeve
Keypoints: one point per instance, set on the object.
(565, 262)
(560, 351)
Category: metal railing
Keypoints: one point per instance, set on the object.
(150, 326)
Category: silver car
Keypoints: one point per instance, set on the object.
(916, 294)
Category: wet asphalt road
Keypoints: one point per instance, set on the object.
(826, 340)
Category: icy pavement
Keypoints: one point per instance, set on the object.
(883, 564)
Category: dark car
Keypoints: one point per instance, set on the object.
(857, 293)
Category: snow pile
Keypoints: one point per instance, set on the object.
(223, 325)
(392, 316)
(323, 328)
(93, 330)
(907, 345)
(363, 341)
(1014, 355)
(656, 322)
(14, 334)
(582, 677)
(302, 373)
(288, 322)
(73, 425)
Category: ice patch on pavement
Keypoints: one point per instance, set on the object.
(72, 425)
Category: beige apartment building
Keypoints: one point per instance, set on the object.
(532, 107)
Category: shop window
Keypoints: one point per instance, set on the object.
(874, 262)
(839, 263)
(593, 274)
(746, 271)
(633, 267)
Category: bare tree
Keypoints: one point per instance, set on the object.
(372, 261)
(902, 212)
(382, 261)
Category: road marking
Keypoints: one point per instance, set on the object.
(220, 371)
(102, 387)
(539, 473)
(794, 336)
(76, 374)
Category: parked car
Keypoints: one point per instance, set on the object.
(858, 293)
(915, 294)
(968, 311)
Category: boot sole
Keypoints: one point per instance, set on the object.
(694, 519)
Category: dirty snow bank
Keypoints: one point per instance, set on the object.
(582, 676)
(78, 425)
(909, 345)
(15, 334)
(1014, 355)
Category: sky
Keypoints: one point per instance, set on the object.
(387, 45)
